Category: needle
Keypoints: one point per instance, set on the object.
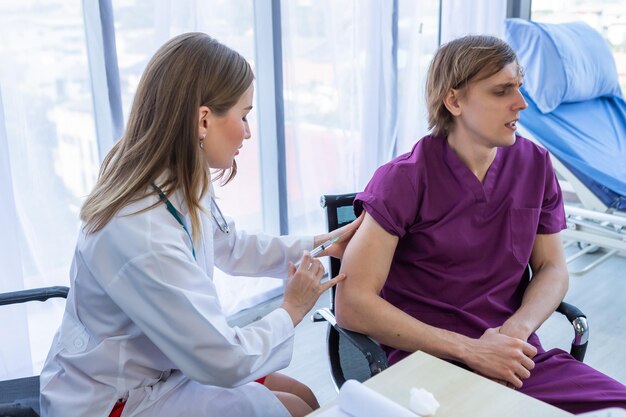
(321, 248)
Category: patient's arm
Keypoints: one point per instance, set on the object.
(366, 262)
(545, 291)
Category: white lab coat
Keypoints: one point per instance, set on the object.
(143, 320)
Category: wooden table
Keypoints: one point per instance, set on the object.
(461, 393)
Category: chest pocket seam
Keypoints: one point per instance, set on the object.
(523, 223)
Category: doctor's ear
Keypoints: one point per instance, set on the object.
(205, 116)
(451, 101)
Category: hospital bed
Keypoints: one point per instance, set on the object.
(576, 110)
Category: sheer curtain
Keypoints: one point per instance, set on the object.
(339, 87)
(48, 163)
(13, 318)
(418, 31)
(354, 93)
(464, 17)
(378, 43)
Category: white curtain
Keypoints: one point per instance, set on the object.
(48, 162)
(379, 123)
(479, 17)
(418, 30)
(13, 319)
(339, 87)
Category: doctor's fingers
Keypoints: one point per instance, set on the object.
(332, 282)
(315, 267)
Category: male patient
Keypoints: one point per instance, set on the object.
(449, 229)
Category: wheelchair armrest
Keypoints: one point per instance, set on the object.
(35, 294)
(373, 353)
(581, 329)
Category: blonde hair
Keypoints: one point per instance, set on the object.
(189, 71)
(470, 58)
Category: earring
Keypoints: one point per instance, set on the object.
(202, 143)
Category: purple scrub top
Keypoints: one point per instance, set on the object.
(463, 245)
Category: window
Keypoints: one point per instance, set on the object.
(337, 59)
(51, 145)
(50, 126)
(322, 96)
(418, 32)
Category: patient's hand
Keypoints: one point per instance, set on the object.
(515, 330)
(501, 357)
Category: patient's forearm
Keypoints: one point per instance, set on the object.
(388, 325)
(494, 355)
(545, 290)
(543, 295)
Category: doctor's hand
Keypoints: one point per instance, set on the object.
(303, 287)
(346, 232)
(501, 357)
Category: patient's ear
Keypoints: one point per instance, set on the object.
(451, 101)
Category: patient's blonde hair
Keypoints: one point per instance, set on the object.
(189, 71)
(470, 58)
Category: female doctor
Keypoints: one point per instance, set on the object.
(143, 332)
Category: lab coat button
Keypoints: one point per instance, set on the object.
(79, 343)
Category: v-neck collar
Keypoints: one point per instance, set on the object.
(482, 191)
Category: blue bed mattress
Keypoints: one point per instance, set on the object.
(589, 138)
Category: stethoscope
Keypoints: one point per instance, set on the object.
(221, 221)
